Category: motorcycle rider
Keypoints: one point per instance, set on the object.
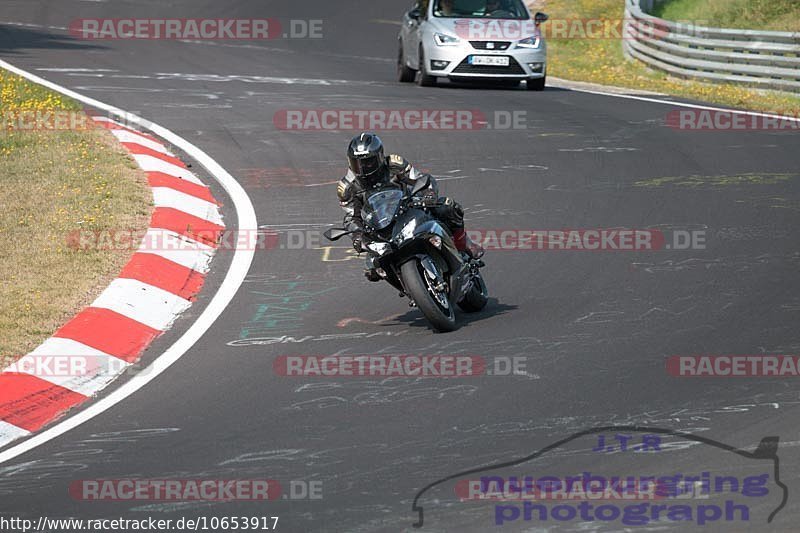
(369, 168)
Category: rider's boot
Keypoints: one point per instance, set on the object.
(465, 244)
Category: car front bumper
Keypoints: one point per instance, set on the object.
(524, 63)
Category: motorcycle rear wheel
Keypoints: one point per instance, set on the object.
(477, 297)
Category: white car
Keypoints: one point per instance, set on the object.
(472, 39)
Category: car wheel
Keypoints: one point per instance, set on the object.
(537, 84)
(404, 73)
(423, 78)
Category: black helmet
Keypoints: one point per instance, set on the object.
(365, 156)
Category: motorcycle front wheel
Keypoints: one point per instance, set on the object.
(434, 304)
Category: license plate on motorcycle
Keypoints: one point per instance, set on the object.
(494, 61)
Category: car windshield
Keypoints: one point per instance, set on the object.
(489, 9)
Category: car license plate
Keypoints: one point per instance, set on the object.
(495, 61)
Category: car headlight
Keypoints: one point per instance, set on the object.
(445, 40)
(530, 42)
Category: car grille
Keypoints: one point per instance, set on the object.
(465, 68)
(484, 45)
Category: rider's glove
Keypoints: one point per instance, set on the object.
(398, 165)
(358, 241)
(426, 200)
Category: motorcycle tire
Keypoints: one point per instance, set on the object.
(416, 287)
(477, 297)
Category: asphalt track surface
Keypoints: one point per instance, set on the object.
(594, 328)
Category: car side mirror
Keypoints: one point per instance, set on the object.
(414, 14)
(334, 234)
(540, 17)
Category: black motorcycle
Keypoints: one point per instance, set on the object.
(415, 253)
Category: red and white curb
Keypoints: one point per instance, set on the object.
(154, 288)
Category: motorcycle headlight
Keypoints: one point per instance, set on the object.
(379, 248)
(445, 40)
(408, 230)
(530, 42)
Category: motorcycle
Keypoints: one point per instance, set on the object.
(415, 253)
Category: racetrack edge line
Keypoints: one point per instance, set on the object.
(565, 84)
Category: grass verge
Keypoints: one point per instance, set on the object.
(771, 15)
(53, 183)
(601, 61)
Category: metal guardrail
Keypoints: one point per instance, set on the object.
(766, 59)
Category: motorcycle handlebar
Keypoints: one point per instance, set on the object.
(416, 203)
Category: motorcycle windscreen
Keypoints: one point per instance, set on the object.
(381, 207)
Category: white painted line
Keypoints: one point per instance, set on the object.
(75, 70)
(166, 197)
(125, 136)
(10, 432)
(684, 104)
(178, 249)
(154, 164)
(240, 266)
(72, 365)
(143, 303)
(552, 81)
(29, 25)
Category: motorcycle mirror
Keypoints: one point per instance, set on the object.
(334, 234)
(422, 183)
